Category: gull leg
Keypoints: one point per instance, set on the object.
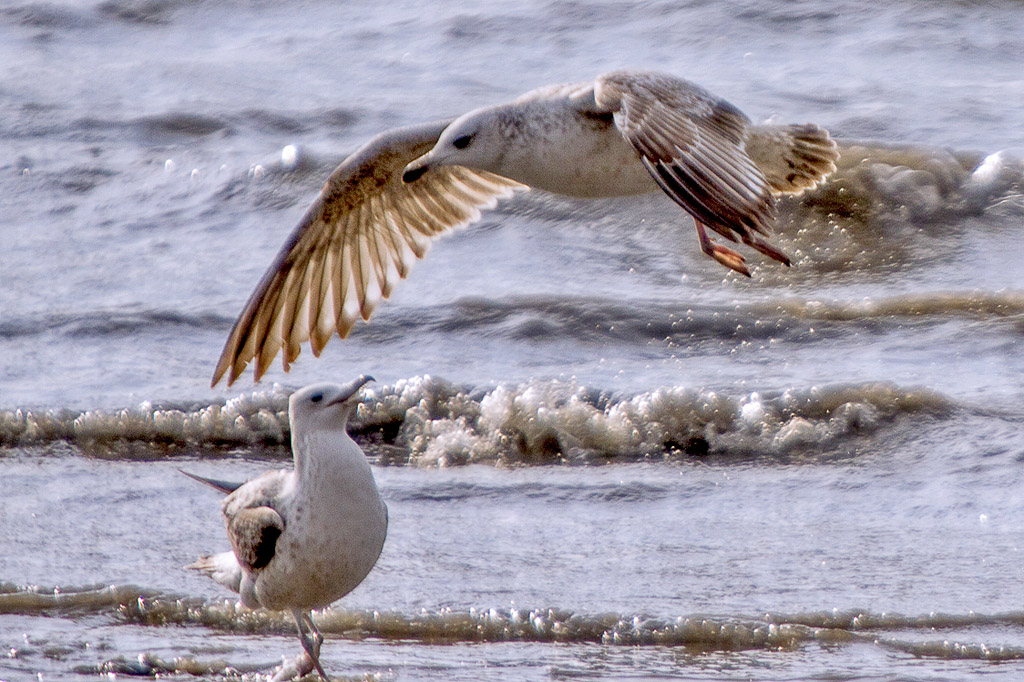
(318, 639)
(311, 639)
(723, 254)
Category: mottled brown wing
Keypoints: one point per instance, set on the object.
(692, 143)
(253, 533)
(358, 239)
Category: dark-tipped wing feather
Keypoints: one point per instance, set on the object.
(226, 487)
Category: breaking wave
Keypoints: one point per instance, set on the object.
(431, 422)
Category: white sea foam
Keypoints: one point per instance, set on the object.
(442, 424)
(557, 421)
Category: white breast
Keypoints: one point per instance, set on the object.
(563, 151)
(336, 525)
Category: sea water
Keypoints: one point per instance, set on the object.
(604, 455)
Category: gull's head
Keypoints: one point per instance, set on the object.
(325, 405)
(474, 140)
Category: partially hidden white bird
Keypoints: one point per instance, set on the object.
(303, 538)
(625, 133)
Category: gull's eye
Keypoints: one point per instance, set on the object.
(316, 397)
(462, 142)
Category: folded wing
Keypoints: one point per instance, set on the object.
(253, 533)
(692, 144)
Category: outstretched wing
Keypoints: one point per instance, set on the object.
(358, 239)
(692, 144)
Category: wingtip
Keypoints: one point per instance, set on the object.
(261, 365)
(218, 372)
(226, 487)
(218, 375)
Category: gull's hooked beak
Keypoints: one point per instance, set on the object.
(351, 389)
(415, 170)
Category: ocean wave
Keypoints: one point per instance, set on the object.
(897, 206)
(937, 307)
(541, 319)
(600, 320)
(920, 183)
(99, 323)
(45, 15)
(150, 430)
(139, 606)
(140, 11)
(431, 422)
(552, 421)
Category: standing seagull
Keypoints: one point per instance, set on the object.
(628, 132)
(303, 538)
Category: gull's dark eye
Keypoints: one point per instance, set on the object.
(462, 142)
(316, 397)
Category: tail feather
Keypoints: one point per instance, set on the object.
(223, 568)
(793, 158)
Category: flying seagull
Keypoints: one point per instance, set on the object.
(303, 538)
(627, 132)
